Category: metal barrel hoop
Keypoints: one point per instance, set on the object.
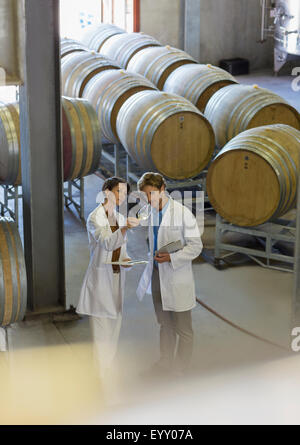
(67, 105)
(83, 154)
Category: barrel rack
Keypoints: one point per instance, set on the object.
(14, 193)
(9, 194)
(116, 161)
(266, 235)
(272, 255)
(77, 200)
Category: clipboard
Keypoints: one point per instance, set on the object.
(171, 247)
(128, 263)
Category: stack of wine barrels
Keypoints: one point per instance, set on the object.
(165, 133)
(197, 83)
(81, 141)
(81, 138)
(97, 35)
(13, 280)
(237, 108)
(78, 68)
(157, 63)
(123, 47)
(108, 91)
(251, 180)
(69, 46)
(10, 159)
(254, 177)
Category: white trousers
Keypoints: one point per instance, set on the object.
(106, 333)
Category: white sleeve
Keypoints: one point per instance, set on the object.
(193, 244)
(103, 236)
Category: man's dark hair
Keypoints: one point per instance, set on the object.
(153, 179)
(113, 182)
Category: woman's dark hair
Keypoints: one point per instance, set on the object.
(113, 182)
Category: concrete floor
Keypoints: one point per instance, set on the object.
(235, 377)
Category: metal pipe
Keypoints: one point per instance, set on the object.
(117, 159)
(263, 20)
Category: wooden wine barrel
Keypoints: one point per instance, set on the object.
(69, 46)
(10, 160)
(254, 177)
(197, 83)
(81, 138)
(97, 35)
(157, 63)
(108, 91)
(13, 280)
(123, 47)
(237, 108)
(78, 69)
(165, 133)
(81, 141)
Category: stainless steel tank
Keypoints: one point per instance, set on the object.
(286, 16)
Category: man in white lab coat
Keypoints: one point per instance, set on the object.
(170, 275)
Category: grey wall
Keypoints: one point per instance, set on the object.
(11, 42)
(164, 20)
(212, 29)
(231, 28)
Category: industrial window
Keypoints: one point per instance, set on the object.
(122, 13)
(77, 15)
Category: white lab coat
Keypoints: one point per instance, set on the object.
(176, 277)
(97, 298)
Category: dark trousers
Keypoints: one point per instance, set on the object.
(173, 325)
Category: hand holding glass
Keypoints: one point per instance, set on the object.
(144, 213)
(132, 222)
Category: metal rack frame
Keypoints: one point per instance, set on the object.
(70, 199)
(267, 235)
(119, 163)
(10, 193)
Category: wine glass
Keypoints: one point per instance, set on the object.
(144, 213)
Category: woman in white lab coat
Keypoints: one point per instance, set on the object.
(169, 275)
(103, 286)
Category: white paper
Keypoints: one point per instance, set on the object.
(127, 263)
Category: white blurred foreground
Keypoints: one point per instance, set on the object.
(57, 384)
(48, 385)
